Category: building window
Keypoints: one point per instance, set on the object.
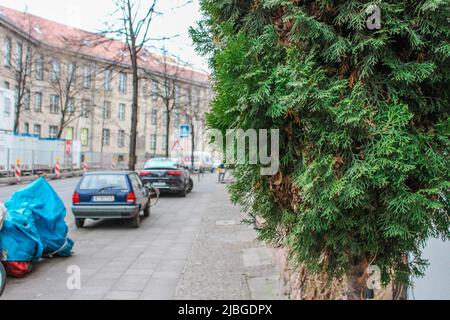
(121, 114)
(189, 96)
(165, 118)
(70, 108)
(26, 99)
(16, 97)
(19, 56)
(177, 95)
(106, 134)
(7, 52)
(122, 83)
(155, 117)
(53, 132)
(6, 84)
(145, 90)
(153, 142)
(40, 68)
(154, 90)
(55, 70)
(107, 110)
(28, 62)
(71, 73)
(69, 133)
(85, 108)
(197, 107)
(84, 137)
(197, 97)
(27, 128)
(7, 110)
(86, 77)
(121, 139)
(38, 102)
(176, 120)
(107, 80)
(54, 103)
(37, 130)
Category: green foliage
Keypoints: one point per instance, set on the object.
(363, 116)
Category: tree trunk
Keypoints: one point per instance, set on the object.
(134, 112)
(357, 281)
(61, 125)
(167, 133)
(16, 118)
(17, 107)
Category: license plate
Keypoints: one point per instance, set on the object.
(104, 198)
(159, 184)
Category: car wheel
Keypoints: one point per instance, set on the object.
(2, 278)
(191, 185)
(79, 222)
(147, 210)
(136, 220)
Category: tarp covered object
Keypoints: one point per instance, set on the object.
(34, 225)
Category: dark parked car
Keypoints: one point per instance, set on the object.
(167, 175)
(110, 195)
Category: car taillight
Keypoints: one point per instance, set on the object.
(76, 198)
(131, 197)
(145, 173)
(174, 173)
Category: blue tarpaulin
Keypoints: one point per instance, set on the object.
(34, 225)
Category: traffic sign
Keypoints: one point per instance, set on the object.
(177, 146)
(185, 130)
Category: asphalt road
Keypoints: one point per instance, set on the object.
(116, 261)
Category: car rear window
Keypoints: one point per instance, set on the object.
(110, 181)
(159, 164)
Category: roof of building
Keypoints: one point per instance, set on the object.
(60, 36)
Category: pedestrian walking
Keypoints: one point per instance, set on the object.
(222, 171)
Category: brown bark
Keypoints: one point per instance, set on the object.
(134, 107)
(357, 281)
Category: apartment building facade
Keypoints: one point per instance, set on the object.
(72, 88)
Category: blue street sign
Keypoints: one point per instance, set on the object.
(185, 130)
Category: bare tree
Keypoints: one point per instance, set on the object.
(194, 114)
(166, 86)
(22, 63)
(68, 82)
(133, 28)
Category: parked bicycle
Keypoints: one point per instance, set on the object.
(154, 194)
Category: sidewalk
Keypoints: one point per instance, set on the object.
(226, 262)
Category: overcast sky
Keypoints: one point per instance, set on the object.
(91, 14)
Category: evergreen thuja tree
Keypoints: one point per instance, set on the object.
(364, 122)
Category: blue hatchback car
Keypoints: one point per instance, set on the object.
(110, 195)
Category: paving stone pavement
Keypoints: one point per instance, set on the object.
(189, 248)
(226, 262)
